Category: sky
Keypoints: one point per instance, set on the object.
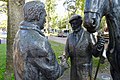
(60, 9)
(3, 16)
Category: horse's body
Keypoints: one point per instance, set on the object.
(94, 11)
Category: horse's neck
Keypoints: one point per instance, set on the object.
(113, 22)
(113, 18)
(113, 25)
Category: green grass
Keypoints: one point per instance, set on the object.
(2, 60)
(57, 48)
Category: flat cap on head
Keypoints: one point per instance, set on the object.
(75, 17)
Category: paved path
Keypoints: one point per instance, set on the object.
(58, 39)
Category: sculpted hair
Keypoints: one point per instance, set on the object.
(33, 11)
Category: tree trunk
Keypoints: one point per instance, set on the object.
(15, 16)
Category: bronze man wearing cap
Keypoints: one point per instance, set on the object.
(33, 56)
(79, 48)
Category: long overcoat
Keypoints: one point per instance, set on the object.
(79, 49)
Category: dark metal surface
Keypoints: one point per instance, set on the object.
(33, 56)
(79, 49)
(94, 11)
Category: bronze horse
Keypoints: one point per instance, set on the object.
(94, 11)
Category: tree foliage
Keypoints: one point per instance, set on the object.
(54, 21)
(3, 24)
(80, 6)
(50, 9)
(103, 24)
(4, 0)
(3, 7)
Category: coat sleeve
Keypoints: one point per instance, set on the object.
(49, 67)
(45, 60)
(95, 48)
(67, 50)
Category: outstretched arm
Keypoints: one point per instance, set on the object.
(66, 54)
(45, 61)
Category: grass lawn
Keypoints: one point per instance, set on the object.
(58, 49)
(2, 60)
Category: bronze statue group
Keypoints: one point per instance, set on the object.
(34, 58)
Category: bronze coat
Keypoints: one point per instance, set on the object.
(33, 56)
(79, 53)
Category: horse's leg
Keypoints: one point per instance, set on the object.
(113, 60)
(115, 75)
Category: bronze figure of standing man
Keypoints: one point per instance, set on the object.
(79, 48)
(33, 56)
